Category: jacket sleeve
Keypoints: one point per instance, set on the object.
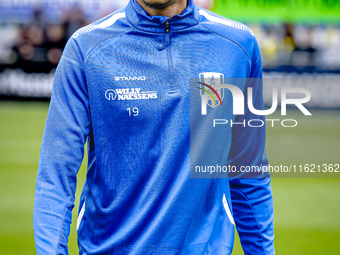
(251, 193)
(62, 150)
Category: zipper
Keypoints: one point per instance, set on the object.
(170, 63)
(167, 26)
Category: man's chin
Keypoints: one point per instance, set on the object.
(157, 4)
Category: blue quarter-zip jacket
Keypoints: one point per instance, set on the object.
(122, 86)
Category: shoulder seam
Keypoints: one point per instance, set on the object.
(72, 60)
(229, 23)
(226, 22)
(106, 23)
(229, 40)
(95, 46)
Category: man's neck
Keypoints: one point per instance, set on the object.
(175, 7)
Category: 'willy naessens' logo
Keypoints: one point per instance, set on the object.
(129, 94)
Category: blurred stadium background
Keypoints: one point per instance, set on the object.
(297, 38)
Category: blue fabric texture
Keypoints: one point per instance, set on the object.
(122, 86)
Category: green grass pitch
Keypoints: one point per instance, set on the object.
(307, 210)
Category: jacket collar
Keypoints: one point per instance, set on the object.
(156, 24)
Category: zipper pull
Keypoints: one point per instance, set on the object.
(167, 26)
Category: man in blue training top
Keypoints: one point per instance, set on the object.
(123, 86)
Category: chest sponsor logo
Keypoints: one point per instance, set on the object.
(129, 94)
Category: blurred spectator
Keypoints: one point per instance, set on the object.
(73, 20)
(40, 45)
(10, 35)
(288, 40)
(37, 20)
(299, 47)
(29, 49)
(37, 45)
(55, 42)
